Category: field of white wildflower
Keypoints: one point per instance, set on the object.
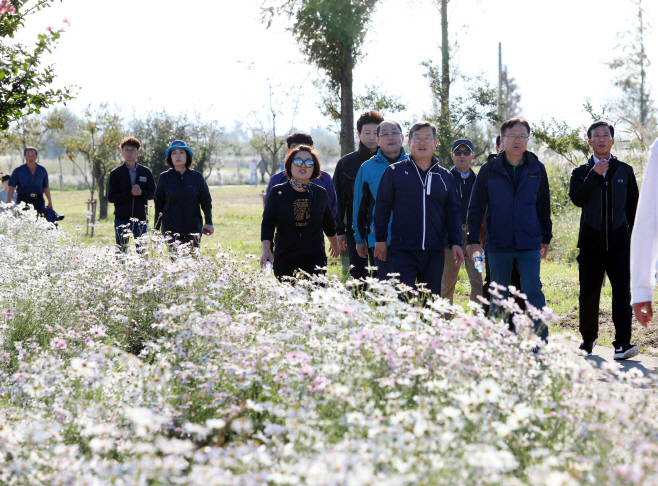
(152, 370)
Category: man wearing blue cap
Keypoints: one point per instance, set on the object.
(180, 196)
(462, 155)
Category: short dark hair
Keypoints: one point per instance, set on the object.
(36, 152)
(389, 121)
(299, 138)
(511, 122)
(291, 156)
(188, 159)
(422, 124)
(497, 140)
(131, 142)
(367, 117)
(598, 124)
(5, 177)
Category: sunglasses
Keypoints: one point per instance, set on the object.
(307, 163)
(462, 152)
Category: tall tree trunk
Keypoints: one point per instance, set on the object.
(445, 61)
(346, 112)
(644, 97)
(102, 197)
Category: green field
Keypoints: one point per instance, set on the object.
(237, 212)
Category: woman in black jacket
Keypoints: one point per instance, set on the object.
(179, 194)
(299, 211)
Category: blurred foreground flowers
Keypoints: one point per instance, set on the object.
(146, 369)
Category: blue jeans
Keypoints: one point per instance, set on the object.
(138, 229)
(528, 262)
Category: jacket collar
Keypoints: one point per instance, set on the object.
(457, 173)
(365, 151)
(530, 159)
(433, 165)
(381, 158)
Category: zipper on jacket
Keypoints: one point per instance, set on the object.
(606, 213)
(429, 186)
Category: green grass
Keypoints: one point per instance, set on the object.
(237, 213)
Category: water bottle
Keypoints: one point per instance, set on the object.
(478, 261)
(267, 268)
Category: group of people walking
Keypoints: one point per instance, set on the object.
(397, 209)
(180, 195)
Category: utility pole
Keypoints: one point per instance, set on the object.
(500, 79)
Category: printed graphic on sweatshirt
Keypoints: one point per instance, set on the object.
(302, 212)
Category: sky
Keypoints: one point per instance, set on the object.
(215, 57)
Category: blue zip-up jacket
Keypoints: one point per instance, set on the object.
(425, 207)
(515, 219)
(365, 195)
(464, 187)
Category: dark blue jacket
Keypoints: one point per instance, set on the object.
(464, 187)
(425, 207)
(515, 219)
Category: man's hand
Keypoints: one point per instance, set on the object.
(208, 229)
(458, 254)
(543, 253)
(136, 191)
(362, 250)
(471, 249)
(601, 166)
(50, 205)
(381, 248)
(342, 242)
(643, 312)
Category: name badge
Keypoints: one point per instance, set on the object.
(142, 179)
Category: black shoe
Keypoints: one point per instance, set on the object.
(626, 351)
(587, 346)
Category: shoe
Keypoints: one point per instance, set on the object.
(587, 347)
(626, 351)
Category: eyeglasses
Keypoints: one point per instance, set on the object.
(462, 152)
(516, 138)
(306, 163)
(425, 141)
(129, 151)
(386, 134)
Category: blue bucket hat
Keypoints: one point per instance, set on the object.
(181, 145)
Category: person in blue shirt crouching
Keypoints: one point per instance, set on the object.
(423, 198)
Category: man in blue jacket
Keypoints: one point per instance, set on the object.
(513, 190)
(423, 198)
(294, 140)
(389, 140)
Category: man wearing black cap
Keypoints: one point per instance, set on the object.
(462, 155)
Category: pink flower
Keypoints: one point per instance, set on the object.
(49, 29)
(8, 313)
(97, 330)
(298, 357)
(66, 21)
(58, 343)
(345, 309)
(280, 376)
(307, 370)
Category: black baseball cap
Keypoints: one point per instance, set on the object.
(457, 143)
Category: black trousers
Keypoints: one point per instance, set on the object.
(357, 263)
(38, 201)
(422, 266)
(592, 265)
(288, 266)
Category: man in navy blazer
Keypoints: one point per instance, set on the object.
(423, 198)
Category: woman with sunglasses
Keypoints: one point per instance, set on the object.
(299, 212)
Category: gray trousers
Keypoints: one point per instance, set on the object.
(451, 275)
